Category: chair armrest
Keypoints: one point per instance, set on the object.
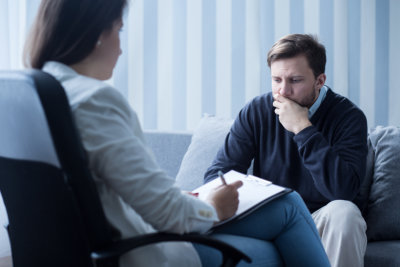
(231, 255)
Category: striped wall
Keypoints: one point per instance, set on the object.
(184, 58)
(190, 57)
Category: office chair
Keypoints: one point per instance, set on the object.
(54, 210)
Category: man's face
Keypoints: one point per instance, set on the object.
(294, 79)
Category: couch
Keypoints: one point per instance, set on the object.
(186, 156)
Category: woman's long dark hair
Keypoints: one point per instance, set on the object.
(68, 30)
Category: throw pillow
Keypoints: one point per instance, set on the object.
(383, 218)
(207, 138)
(362, 197)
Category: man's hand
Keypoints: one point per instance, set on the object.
(292, 116)
(225, 199)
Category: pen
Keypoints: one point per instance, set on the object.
(221, 175)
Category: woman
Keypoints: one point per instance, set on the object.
(77, 41)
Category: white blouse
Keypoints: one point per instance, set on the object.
(137, 196)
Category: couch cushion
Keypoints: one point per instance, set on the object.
(207, 138)
(383, 218)
(382, 253)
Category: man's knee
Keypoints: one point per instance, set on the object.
(342, 209)
(344, 215)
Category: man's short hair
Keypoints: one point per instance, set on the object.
(293, 45)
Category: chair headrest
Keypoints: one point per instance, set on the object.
(27, 136)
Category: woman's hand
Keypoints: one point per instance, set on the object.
(225, 199)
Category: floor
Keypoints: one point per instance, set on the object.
(5, 261)
(5, 251)
(4, 242)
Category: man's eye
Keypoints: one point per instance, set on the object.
(296, 80)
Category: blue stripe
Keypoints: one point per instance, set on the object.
(179, 66)
(150, 64)
(267, 21)
(209, 56)
(326, 37)
(238, 55)
(353, 42)
(382, 63)
(296, 16)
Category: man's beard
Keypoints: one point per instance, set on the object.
(309, 100)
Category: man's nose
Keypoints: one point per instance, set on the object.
(285, 89)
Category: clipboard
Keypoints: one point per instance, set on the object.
(254, 193)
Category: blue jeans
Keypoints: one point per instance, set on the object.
(281, 233)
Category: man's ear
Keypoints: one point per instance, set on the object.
(320, 80)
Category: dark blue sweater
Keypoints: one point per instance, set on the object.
(323, 162)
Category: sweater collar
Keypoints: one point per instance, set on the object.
(317, 103)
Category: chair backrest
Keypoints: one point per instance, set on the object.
(54, 211)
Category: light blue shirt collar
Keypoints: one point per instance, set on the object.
(315, 106)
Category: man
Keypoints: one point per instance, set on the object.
(304, 136)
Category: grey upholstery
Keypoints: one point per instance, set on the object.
(383, 216)
(383, 253)
(15, 142)
(168, 148)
